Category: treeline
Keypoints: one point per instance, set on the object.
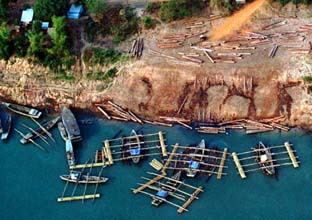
(284, 2)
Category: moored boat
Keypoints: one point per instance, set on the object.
(71, 125)
(77, 177)
(62, 130)
(194, 163)
(23, 110)
(6, 126)
(1, 130)
(264, 159)
(39, 131)
(134, 147)
(70, 156)
(164, 191)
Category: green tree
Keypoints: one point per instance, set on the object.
(45, 9)
(4, 42)
(35, 43)
(58, 55)
(96, 6)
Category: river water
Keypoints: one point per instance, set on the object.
(30, 183)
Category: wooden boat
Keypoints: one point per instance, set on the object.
(62, 130)
(1, 130)
(39, 131)
(194, 164)
(264, 159)
(71, 125)
(70, 156)
(6, 126)
(23, 110)
(164, 192)
(77, 177)
(134, 147)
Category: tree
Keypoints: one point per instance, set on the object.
(96, 6)
(4, 42)
(35, 43)
(58, 54)
(45, 9)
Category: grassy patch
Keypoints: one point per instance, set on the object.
(99, 75)
(104, 57)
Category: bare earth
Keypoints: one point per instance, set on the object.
(256, 86)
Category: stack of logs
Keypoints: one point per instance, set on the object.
(137, 48)
(171, 41)
(117, 112)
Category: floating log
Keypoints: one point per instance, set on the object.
(108, 152)
(185, 125)
(291, 155)
(219, 176)
(136, 117)
(158, 123)
(162, 144)
(239, 166)
(172, 154)
(73, 198)
(175, 119)
(119, 118)
(281, 127)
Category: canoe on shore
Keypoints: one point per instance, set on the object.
(23, 110)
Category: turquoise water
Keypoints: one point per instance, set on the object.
(30, 183)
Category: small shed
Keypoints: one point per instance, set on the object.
(44, 25)
(240, 1)
(27, 16)
(75, 11)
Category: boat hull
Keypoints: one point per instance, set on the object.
(85, 179)
(71, 125)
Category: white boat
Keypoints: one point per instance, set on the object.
(23, 110)
(77, 177)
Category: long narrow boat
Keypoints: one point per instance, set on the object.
(165, 191)
(23, 110)
(70, 156)
(6, 126)
(77, 177)
(39, 131)
(1, 130)
(71, 125)
(264, 159)
(135, 147)
(62, 130)
(194, 162)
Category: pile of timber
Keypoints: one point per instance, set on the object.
(254, 127)
(181, 121)
(211, 130)
(274, 25)
(273, 51)
(305, 28)
(137, 48)
(171, 41)
(113, 111)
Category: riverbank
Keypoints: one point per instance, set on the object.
(255, 87)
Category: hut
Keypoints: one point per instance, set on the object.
(75, 11)
(27, 16)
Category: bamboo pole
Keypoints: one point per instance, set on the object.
(31, 140)
(43, 138)
(45, 130)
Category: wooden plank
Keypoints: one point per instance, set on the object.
(239, 166)
(152, 181)
(108, 152)
(73, 198)
(162, 144)
(172, 154)
(219, 175)
(291, 155)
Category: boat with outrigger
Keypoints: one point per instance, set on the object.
(264, 159)
(70, 156)
(166, 191)
(134, 147)
(23, 110)
(194, 163)
(6, 126)
(39, 131)
(71, 125)
(78, 177)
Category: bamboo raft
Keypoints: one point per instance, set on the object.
(249, 165)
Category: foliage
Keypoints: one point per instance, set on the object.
(45, 9)
(178, 9)
(20, 43)
(104, 57)
(226, 5)
(65, 77)
(307, 79)
(284, 2)
(153, 7)
(99, 75)
(96, 6)
(128, 25)
(148, 22)
(4, 42)
(4, 9)
(35, 43)
(58, 55)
